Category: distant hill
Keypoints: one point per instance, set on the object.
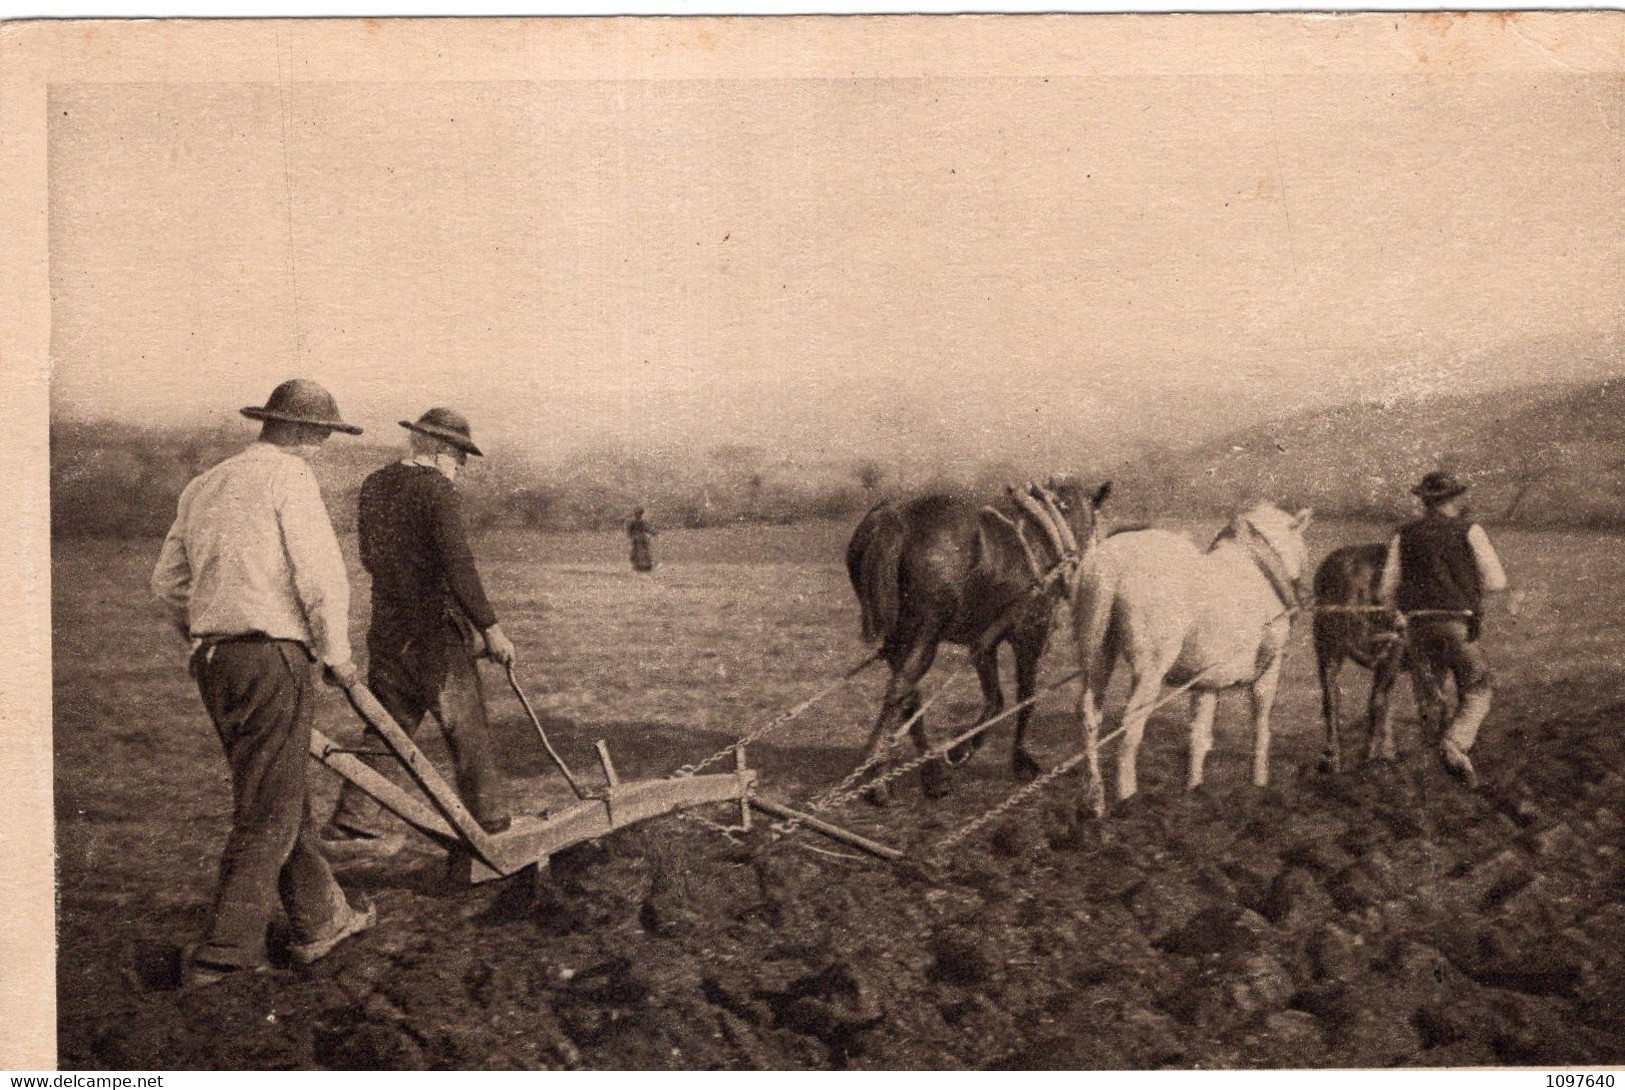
(123, 480)
(1540, 456)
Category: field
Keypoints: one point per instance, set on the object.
(1380, 917)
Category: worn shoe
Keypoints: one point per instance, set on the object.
(1458, 764)
(341, 845)
(356, 921)
(200, 974)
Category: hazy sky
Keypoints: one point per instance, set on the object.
(986, 266)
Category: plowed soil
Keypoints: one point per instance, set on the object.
(1383, 916)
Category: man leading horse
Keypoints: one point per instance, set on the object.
(1438, 571)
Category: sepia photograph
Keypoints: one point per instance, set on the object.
(1006, 542)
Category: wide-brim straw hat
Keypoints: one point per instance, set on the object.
(449, 425)
(1439, 485)
(301, 401)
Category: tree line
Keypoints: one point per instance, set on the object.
(121, 480)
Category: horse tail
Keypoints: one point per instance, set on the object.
(875, 565)
(1092, 610)
(1093, 605)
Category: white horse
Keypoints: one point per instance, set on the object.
(1199, 621)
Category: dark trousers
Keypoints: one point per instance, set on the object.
(262, 697)
(1445, 647)
(459, 707)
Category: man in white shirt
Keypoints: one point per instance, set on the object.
(1438, 571)
(252, 576)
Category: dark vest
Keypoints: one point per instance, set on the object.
(414, 544)
(1437, 569)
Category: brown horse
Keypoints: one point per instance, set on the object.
(942, 568)
(1348, 578)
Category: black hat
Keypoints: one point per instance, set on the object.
(1439, 485)
(447, 424)
(301, 401)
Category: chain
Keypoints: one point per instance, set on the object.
(849, 788)
(823, 802)
(728, 832)
(777, 721)
(1064, 570)
(841, 795)
(1014, 800)
(1021, 795)
(1385, 611)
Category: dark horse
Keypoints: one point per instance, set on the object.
(941, 568)
(1349, 577)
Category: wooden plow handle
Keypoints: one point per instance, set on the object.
(440, 793)
(558, 762)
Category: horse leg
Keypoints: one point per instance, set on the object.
(1028, 654)
(901, 699)
(1330, 666)
(1263, 700)
(1147, 686)
(987, 672)
(1379, 708)
(1204, 704)
(1097, 678)
(1094, 784)
(1098, 637)
(911, 671)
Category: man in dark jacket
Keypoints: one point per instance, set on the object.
(1439, 569)
(431, 623)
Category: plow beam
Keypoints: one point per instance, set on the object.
(392, 798)
(532, 840)
(440, 793)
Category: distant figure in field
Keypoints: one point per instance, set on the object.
(1438, 570)
(253, 579)
(431, 623)
(642, 535)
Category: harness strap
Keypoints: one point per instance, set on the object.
(1052, 506)
(1043, 510)
(1040, 513)
(1268, 561)
(1033, 563)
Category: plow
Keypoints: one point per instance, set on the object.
(477, 855)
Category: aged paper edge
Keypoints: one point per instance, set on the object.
(33, 55)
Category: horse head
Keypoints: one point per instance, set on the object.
(1079, 506)
(1283, 553)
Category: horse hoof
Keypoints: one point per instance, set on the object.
(1024, 767)
(960, 753)
(934, 780)
(878, 796)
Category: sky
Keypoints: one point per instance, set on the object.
(978, 268)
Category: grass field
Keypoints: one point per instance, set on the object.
(732, 627)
